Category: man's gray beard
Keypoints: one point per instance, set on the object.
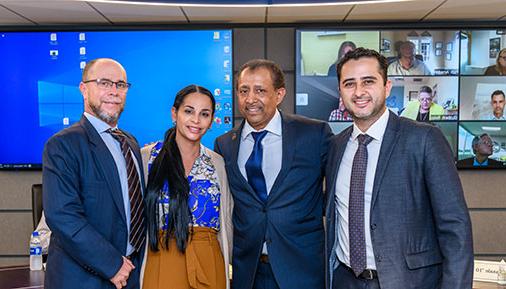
(109, 119)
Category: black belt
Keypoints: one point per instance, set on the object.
(264, 258)
(367, 274)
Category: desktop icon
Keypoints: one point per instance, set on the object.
(82, 64)
(53, 37)
(216, 35)
(82, 36)
(82, 51)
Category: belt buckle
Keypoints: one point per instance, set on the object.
(367, 274)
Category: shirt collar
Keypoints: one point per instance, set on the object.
(274, 126)
(100, 125)
(478, 164)
(203, 151)
(377, 129)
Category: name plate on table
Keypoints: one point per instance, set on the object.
(488, 271)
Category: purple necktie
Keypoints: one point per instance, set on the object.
(356, 225)
(137, 228)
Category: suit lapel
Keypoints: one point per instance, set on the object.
(333, 163)
(340, 146)
(105, 163)
(387, 147)
(235, 142)
(288, 151)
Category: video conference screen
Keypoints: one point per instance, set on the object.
(453, 79)
(41, 71)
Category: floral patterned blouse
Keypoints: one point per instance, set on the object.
(204, 197)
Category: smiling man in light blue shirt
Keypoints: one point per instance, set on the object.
(275, 163)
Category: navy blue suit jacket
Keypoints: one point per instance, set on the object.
(290, 222)
(83, 204)
(420, 226)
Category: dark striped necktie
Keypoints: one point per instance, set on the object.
(137, 227)
(358, 261)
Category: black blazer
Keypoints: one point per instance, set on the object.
(469, 163)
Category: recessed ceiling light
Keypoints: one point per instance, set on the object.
(237, 5)
(491, 128)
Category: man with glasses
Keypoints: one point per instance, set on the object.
(483, 147)
(423, 109)
(93, 183)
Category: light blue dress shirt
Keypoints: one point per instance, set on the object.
(114, 147)
(272, 152)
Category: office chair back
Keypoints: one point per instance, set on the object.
(36, 204)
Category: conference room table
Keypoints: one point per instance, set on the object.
(20, 277)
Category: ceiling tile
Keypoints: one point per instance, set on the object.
(226, 15)
(125, 13)
(56, 11)
(9, 18)
(470, 10)
(307, 14)
(393, 11)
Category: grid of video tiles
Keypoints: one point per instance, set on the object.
(454, 79)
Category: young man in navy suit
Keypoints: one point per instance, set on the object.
(275, 163)
(92, 183)
(396, 214)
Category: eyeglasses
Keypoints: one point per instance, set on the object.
(105, 83)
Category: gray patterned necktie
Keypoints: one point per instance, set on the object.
(356, 225)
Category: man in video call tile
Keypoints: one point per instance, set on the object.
(482, 149)
(407, 63)
(497, 102)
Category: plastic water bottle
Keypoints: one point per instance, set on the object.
(35, 252)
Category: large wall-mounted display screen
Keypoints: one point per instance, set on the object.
(41, 71)
(454, 79)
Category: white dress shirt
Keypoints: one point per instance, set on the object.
(272, 145)
(376, 131)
